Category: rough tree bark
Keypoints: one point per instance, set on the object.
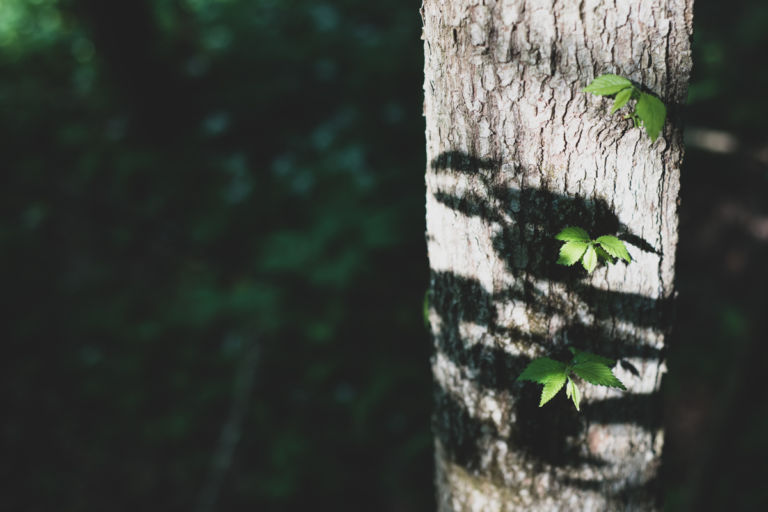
(516, 152)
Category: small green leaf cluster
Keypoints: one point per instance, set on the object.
(579, 246)
(649, 112)
(555, 374)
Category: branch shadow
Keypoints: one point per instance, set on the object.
(545, 435)
(542, 433)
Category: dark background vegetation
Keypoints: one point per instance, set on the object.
(212, 259)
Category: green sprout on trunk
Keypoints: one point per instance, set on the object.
(649, 112)
(579, 246)
(555, 374)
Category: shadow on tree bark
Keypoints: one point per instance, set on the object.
(529, 219)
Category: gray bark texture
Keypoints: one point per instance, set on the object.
(516, 152)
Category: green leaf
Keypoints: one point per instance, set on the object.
(573, 393)
(652, 112)
(614, 247)
(545, 371)
(622, 97)
(587, 357)
(601, 254)
(589, 261)
(570, 252)
(573, 234)
(598, 374)
(551, 388)
(605, 85)
(542, 370)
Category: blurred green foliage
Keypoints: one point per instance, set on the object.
(189, 180)
(727, 89)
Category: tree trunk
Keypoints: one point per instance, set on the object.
(517, 152)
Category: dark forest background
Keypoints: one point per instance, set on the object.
(212, 259)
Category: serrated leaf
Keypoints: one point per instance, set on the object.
(542, 370)
(614, 247)
(652, 112)
(598, 374)
(589, 261)
(605, 85)
(551, 388)
(622, 97)
(602, 255)
(574, 393)
(587, 357)
(573, 234)
(571, 252)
